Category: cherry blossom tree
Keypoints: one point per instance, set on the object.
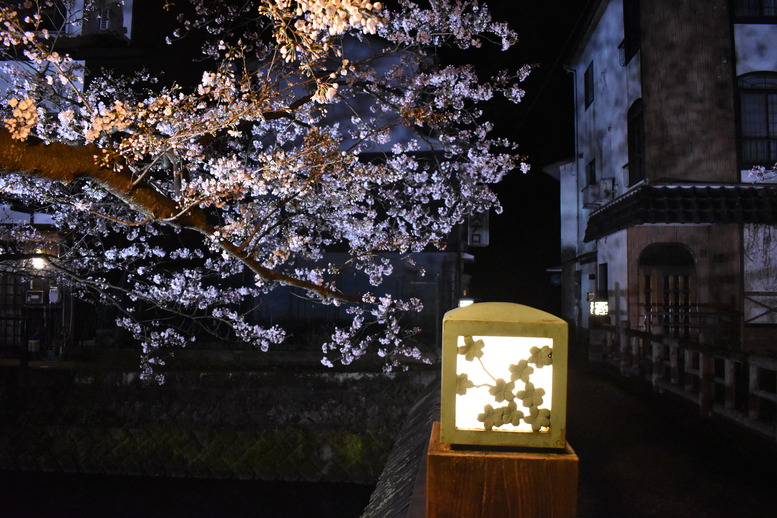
(762, 173)
(304, 135)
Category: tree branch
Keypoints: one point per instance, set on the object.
(62, 163)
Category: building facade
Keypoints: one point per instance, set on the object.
(664, 228)
(38, 318)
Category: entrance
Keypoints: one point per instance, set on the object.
(667, 289)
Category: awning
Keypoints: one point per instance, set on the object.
(678, 204)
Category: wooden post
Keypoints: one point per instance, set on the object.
(483, 484)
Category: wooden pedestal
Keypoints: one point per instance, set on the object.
(484, 484)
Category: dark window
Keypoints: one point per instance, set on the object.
(755, 11)
(12, 336)
(601, 282)
(636, 142)
(758, 119)
(632, 34)
(588, 86)
(590, 172)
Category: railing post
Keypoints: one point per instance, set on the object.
(688, 381)
(625, 346)
(674, 364)
(730, 384)
(623, 337)
(706, 384)
(636, 357)
(657, 365)
(753, 405)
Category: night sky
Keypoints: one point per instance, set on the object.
(525, 237)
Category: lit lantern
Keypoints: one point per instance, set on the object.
(504, 377)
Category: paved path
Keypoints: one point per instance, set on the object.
(649, 455)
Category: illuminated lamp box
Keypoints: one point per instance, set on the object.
(504, 377)
(500, 448)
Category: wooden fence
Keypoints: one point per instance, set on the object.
(741, 388)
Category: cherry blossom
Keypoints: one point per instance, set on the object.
(315, 124)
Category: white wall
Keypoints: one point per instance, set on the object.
(602, 135)
(755, 46)
(602, 126)
(760, 271)
(569, 200)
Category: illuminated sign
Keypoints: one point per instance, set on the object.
(599, 307)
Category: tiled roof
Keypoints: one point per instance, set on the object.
(741, 203)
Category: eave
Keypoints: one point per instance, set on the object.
(685, 204)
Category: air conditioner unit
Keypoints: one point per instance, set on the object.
(591, 196)
(606, 189)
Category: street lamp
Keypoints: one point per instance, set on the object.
(38, 263)
(504, 377)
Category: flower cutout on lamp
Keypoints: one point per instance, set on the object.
(472, 348)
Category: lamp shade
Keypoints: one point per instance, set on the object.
(504, 377)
